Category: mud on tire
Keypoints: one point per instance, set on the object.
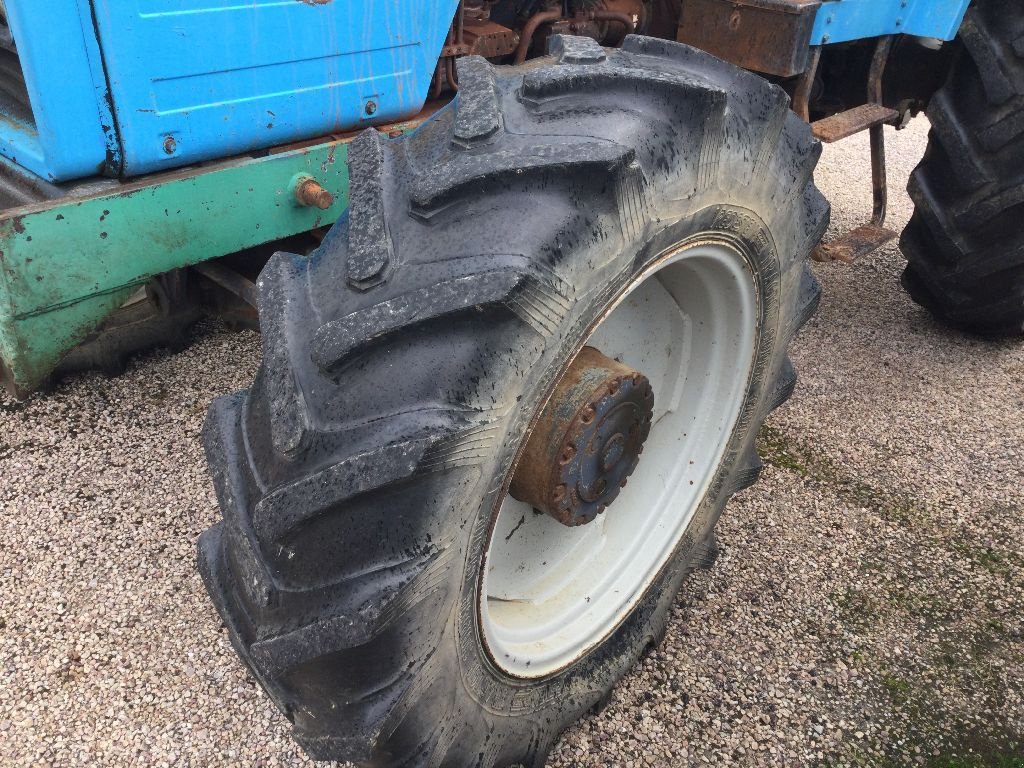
(965, 242)
(405, 358)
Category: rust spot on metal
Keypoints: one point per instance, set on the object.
(587, 441)
(854, 244)
(310, 193)
(481, 37)
(770, 36)
(867, 237)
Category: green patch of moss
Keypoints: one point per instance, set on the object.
(978, 761)
(996, 562)
(779, 450)
(898, 688)
(861, 759)
(856, 608)
(776, 450)
(920, 604)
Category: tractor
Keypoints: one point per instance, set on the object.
(525, 273)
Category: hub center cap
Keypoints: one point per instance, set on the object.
(587, 441)
(613, 451)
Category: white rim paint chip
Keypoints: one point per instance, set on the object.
(549, 592)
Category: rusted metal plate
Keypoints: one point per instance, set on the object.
(854, 244)
(770, 36)
(843, 124)
(487, 39)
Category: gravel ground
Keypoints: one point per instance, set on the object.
(866, 608)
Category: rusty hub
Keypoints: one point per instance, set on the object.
(587, 441)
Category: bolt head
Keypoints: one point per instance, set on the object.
(568, 453)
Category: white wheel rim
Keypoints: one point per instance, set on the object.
(549, 592)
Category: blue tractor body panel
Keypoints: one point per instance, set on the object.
(69, 132)
(840, 21)
(219, 77)
(128, 87)
(191, 105)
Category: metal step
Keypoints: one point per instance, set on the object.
(843, 124)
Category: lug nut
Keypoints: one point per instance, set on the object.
(588, 413)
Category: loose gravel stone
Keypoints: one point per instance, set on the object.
(866, 608)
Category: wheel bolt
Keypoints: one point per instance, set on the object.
(588, 413)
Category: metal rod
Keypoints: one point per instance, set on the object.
(531, 29)
(879, 181)
(229, 280)
(450, 76)
(622, 18)
(802, 95)
(438, 86)
(878, 62)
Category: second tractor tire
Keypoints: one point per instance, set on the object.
(965, 242)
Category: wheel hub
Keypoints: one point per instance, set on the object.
(587, 441)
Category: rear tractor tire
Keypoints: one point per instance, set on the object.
(578, 273)
(965, 242)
